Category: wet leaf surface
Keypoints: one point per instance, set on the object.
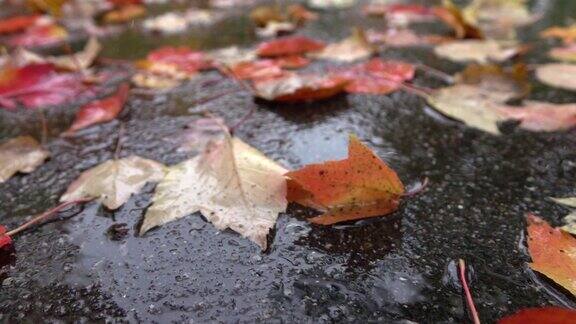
(21, 154)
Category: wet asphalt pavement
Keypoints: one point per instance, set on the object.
(390, 269)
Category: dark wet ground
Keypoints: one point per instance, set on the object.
(388, 269)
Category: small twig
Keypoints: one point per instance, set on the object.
(44, 124)
(469, 299)
(246, 86)
(435, 72)
(45, 215)
(419, 91)
(119, 141)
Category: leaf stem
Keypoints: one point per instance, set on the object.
(469, 299)
(45, 215)
(435, 72)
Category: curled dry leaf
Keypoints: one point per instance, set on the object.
(480, 51)
(39, 35)
(37, 85)
(353, 48)
(124, 14)
(543, 315)
(565, 54)
(290, 45)
(553, 252)
(566, 34)
(74, 62)
(114, 181)
(293, 87)
(360, 186)
(377, 76)
(100, 111)
(20, 154)
(558, 75)
(17, 23)
(232, 184)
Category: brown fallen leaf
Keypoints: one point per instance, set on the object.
(353, 48)
(480, 51)
(498, 18)
(20, 154)
(553, 252)
(360, 186)
(74, 62)
(558, 75)
(232, 184)
(499, 83)
(114, 181)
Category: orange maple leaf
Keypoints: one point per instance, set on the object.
(553, 252)
(360, 186)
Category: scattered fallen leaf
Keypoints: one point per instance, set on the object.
(5, 240)
(74, 62)
(480, 51)
(232, 55)
(566, 34)
(52, 7)
(360, 186)
(37, 85)
(114, 181)
(400, 14)
(292, 61)
(298, 14)
(154, 81)
(261, 16)
(570, 219)
(260, 69)
(469, 105)
(100, 111)
(124, 14)
(377, 76)
(539, 116)
(20, 154)
(565, 54)
(17, 23)
(543, 315)
(199, 133)
(553, 252)
(293, 87)
(171, 22)
(232, 184)
(452, 16)
(176, 61)
(353, 48)
(558, 75)
(273, 29)
(403, 37)
(331, 4)
(290, 45)
(39, 35)
(494, 81)
(498, 18)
